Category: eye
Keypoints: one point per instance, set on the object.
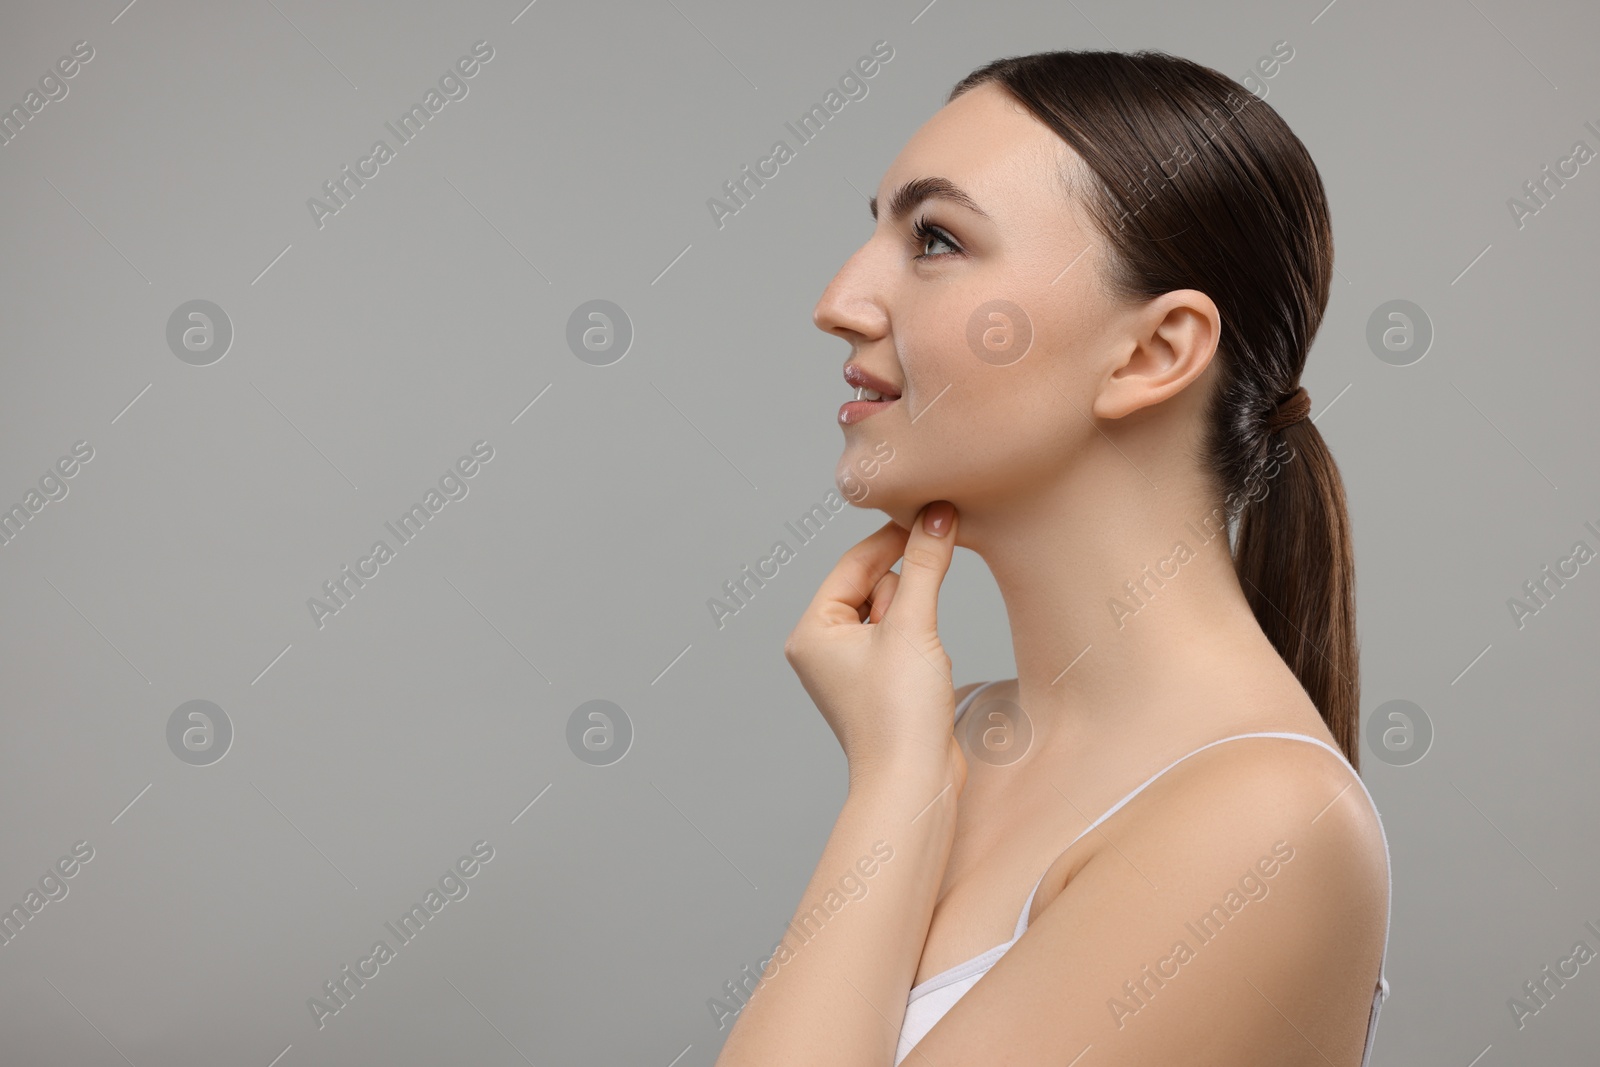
(925, 232)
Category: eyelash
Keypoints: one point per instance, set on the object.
(923, 231)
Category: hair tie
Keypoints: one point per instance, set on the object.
(1290, 410)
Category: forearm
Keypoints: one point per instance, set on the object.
(835, 991)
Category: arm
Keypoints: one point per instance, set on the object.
(835, 990)
(867, 651)
(1133, 964)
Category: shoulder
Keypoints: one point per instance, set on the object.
(1256, 858)
(1232, 797)
(1242, 895)
(1260, 817)
(1295, 784)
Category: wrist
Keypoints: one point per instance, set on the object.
(928, 767)
(914, 786)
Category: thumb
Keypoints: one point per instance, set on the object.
(926, 560)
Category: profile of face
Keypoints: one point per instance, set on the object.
(990, 320)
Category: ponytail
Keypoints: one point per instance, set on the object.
(1294, 560)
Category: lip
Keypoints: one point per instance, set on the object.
(853, 411)
(857, 376)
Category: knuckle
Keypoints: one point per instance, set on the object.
(921, 558)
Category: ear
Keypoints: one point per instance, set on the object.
(1169, 342)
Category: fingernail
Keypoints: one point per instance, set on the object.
(936, 519)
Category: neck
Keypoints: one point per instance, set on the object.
(1115, 613)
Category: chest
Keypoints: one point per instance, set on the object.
(994, 865)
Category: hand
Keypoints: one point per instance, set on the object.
(867, 651)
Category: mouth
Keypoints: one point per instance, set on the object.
(873, 394)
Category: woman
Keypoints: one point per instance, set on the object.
(1080, 322)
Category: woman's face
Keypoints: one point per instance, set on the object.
(991, 326)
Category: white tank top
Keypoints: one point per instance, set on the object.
(929, 1001)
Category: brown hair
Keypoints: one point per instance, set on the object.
(1196, 183)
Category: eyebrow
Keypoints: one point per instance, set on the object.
(917, 190)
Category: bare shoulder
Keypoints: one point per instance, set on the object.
(1243, 895)
(1292, 785)
(1255, 791)
(1260, 816)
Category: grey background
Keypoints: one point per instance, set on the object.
(369, 355)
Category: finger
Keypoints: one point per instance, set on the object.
(926, 561)
(883, 596)
(846, 588)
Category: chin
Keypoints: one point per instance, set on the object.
(863, 475)
(903, 517)
(866, 498)
(903, 512)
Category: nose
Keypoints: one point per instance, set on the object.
(852, 305)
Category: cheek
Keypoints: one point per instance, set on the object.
(934, 350)
(1015, 431)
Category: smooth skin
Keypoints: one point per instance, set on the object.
(1070, 470)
